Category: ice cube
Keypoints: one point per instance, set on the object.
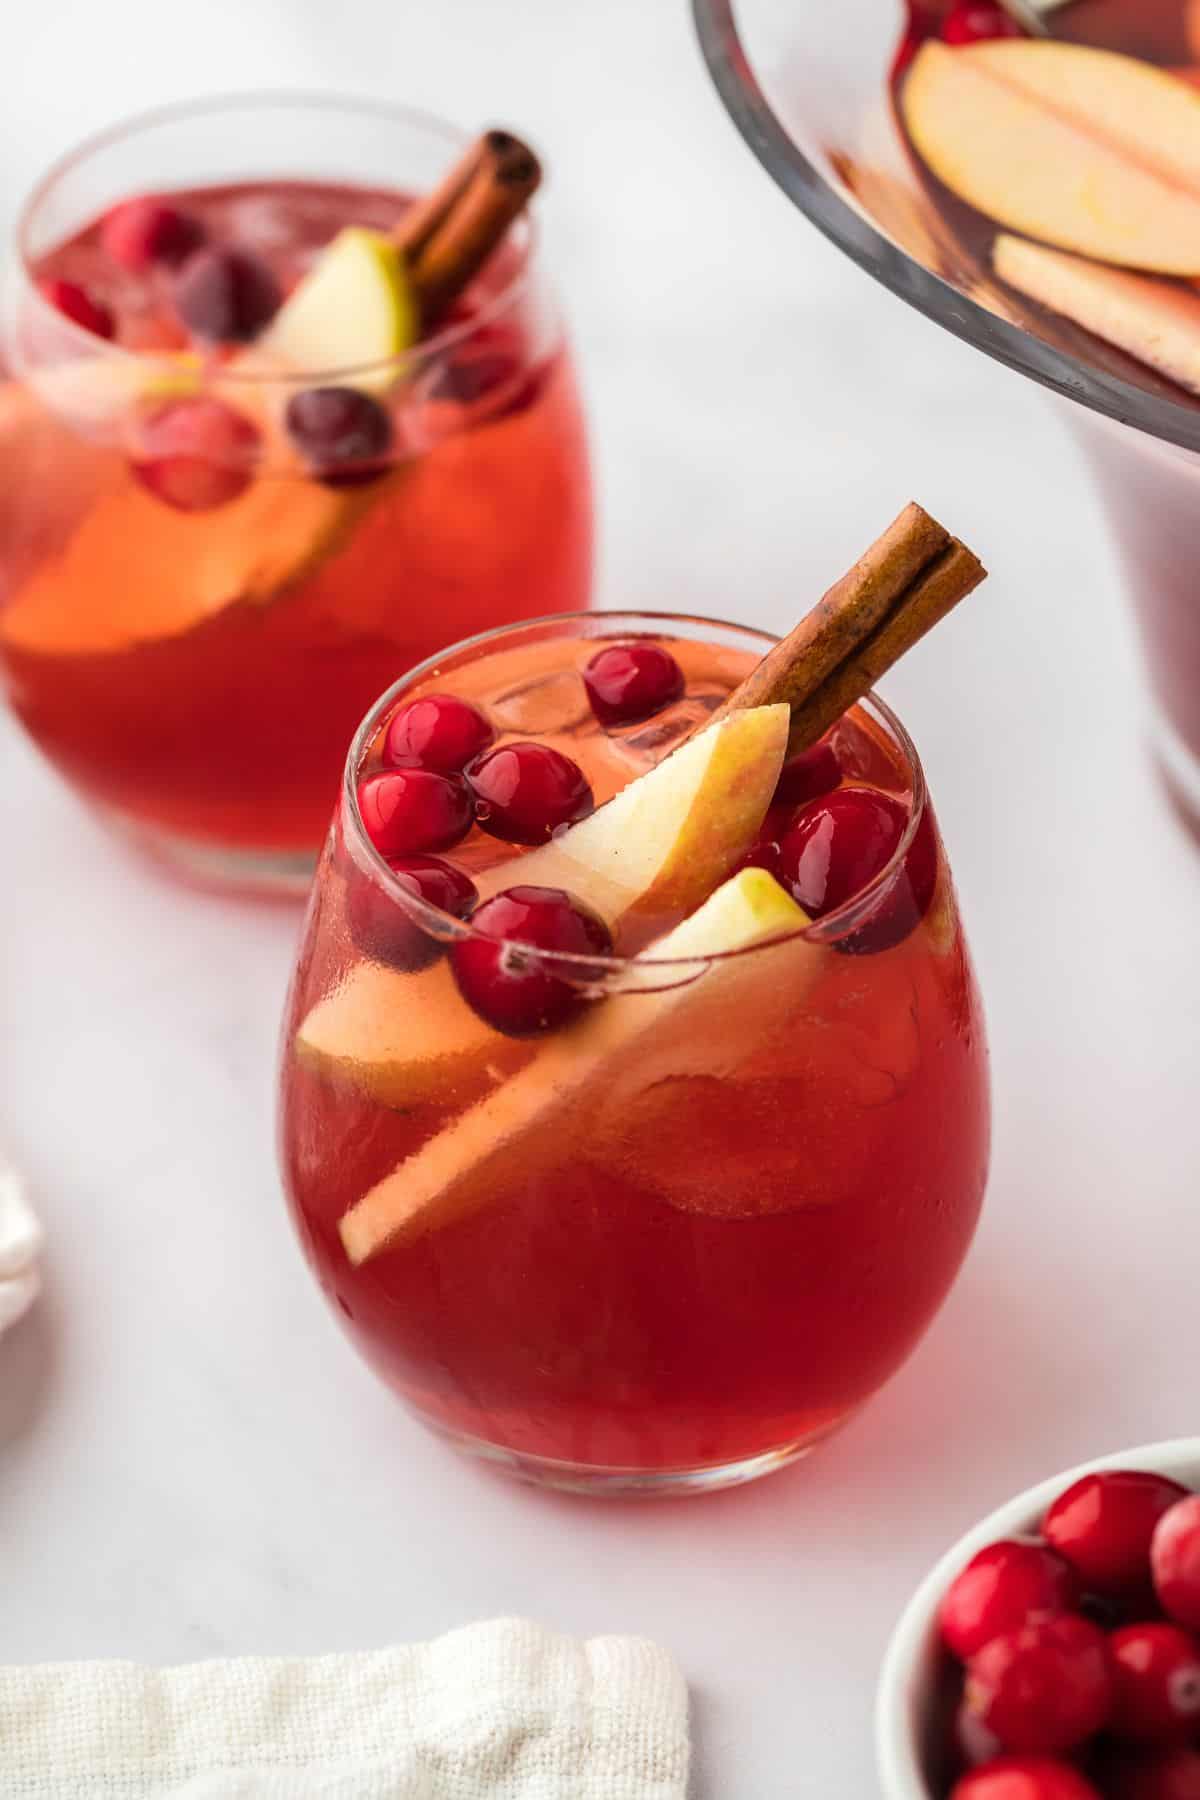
(543, 704)
(643, 746)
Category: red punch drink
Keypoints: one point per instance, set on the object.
(261, 453)
(636, 1146)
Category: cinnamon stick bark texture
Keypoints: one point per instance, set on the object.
(429, 214)
(462, 222)
(908, 580)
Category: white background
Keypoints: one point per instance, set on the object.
(193, 1462)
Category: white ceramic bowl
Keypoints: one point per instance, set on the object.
(904, 1705)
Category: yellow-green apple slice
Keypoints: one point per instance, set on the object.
(674, 834)
(685, 1029)
(355, 311)
(664, 842)
(1085, 149)
(1155, 321)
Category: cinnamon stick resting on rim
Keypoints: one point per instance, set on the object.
(447, 236)
(907, 581)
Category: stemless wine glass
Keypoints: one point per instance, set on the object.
(677, 1241)
(191, 622)
(807, 86)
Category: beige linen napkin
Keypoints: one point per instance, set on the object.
(499, 1711)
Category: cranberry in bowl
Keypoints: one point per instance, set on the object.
(1052, 1653)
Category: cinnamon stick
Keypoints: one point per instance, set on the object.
(906, 582)
(464, 220)
(430, 212)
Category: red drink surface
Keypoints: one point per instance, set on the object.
(227, 721)
(687, 1269)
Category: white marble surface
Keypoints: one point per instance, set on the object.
(193, 1461)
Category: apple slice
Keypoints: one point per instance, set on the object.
(659, 1032)
(1086, 149)
(355, 310)
(1156, 322)
(666, 840)
(673, 835)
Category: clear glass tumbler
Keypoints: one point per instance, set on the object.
(677, 1241)
(191, 636)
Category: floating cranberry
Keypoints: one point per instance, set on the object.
(1025, 1778)
(1045, 1688)
(226, 296)
(629, 682)
(1170, 1775)
(1156, 1684)
(506, 981)
(974, 21)
(343, 434)
(524, 792)
(410, 810)
(381, 926)
(140, 233)
(1001, 1589)
(808, 775)
(1175, 1561)
(436, 731)
(838, 844)
(78, 305)
(471, 377)
(195, 454)
(1103, 1525)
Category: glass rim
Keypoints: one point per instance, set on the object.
(150, 118)
(592, 969)
(731, 68)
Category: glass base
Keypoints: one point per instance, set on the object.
(1180, 768)
(279, 874)
(629, 1484)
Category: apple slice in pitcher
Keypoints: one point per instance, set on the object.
(1087, 150)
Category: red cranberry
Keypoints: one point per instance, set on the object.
(511, 986)
(226, 296)
(630, 682)
(195, 454)
(807, 776)
(407, 810)
(1170, 1775)
(1103, 1525)
(384, 930)
(436, 731)
(525, 791)
(342, 434)
(838, 844)
(1156, 1684)
(1044, 1688)
(971, 1742)
(973, 21)
(1001, 1589)
(470, 378)
(1175, 1561)
(145, 231)
(1025, 1778)
(78, 306)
